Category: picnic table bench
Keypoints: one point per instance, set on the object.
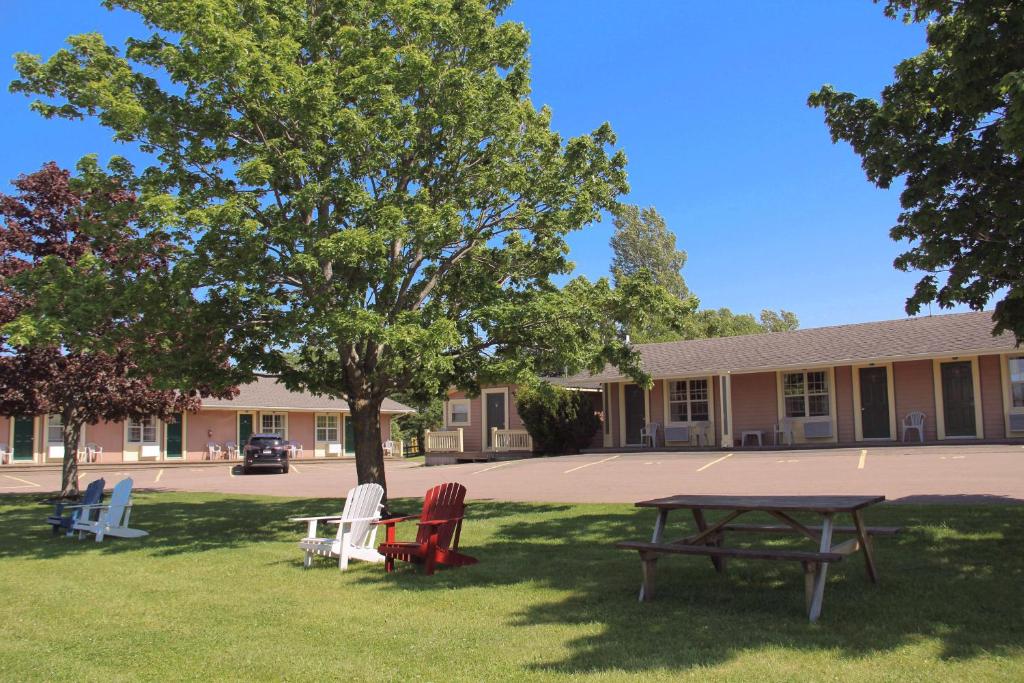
(708, 539)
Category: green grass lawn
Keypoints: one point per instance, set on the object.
(218, 592)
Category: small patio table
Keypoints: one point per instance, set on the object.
(709, 537)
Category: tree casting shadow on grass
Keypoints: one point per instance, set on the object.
(954, 576)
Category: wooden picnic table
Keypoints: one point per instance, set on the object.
(708, 539)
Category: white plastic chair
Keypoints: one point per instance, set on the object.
(913, 420)
(650, 432)
(702, 430)
(213, 450)
(389, 448)
(294, 449)
(784, 432)
(356, 537)
(231, 448)
(4, 454)
(93, 451)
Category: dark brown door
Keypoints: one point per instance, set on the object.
(874, 403)
(634, 400)
(495, 414)
(958, 399)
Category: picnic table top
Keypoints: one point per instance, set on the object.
(764, 503)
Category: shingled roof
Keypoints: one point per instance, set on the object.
(267, 393)
(953, 334)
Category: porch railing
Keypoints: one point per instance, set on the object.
(444, 442)
(511, 440)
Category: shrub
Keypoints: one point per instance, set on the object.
(558, 420)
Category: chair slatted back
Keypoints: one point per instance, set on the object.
(119, 499)
(444, 501)
(94, 493)
(361, 502)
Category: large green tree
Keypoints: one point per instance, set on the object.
(371, 201)
(643, 244)
(951, 126)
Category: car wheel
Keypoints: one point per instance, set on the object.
(246, 470)
(284, 469)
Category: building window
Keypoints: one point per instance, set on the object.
(1017, 381)
(273, 424)
(327, 428)
(54, 429)
(688, 400)
(458, 412)
(142, 431)
(806, 393)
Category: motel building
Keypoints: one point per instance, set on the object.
(319, 427)
(831, 386)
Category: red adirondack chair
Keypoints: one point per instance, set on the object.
(437, 541)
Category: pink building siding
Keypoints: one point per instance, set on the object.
(206, 426)
(992, 396)
(754, 403)
(844, 403)
(473, 433)
(301, 431)
(913, 386)
(5, 431)
(109, 435)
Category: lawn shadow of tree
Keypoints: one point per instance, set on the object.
(953, 575)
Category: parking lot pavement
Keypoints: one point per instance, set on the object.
(966, 473)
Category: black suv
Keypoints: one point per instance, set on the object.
(265, 451)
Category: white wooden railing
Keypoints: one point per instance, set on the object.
(444, 442)
(511, 440)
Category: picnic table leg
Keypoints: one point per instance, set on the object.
(810, 570)
(822, 570)
(698, 517)
(865, 544)
(648, 563)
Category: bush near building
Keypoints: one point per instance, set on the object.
(559, 420)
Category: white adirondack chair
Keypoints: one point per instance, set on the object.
(357, 533)
(113, 518)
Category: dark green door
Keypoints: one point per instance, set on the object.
(24, 438)
(874, 403)
(633, 397)
(958, 399)
(174, 437)
(495, 414)
(244, 428)
(350, 437)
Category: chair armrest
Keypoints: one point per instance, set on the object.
(350, 520)
(394, 520)
(310, 519)
(95, 506)
(439, 522)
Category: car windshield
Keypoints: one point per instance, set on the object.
(265, 441)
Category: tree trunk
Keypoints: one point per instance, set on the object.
(369, 453)
(69, 472)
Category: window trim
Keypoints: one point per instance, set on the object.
(448, 412)
(807, 393)
(688, 401)
(317, 428)
(712, 403)
(50, 425)
(284, 423)
(131, 424)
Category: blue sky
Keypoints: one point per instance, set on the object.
(708, 101)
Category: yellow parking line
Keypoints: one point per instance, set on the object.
(158, 475)
(231, 470)
(293, 467)
(590, 464)
(23, 481)
(863, 458)
(714, 462)
(494, 467)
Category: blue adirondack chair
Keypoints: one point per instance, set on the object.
(59, 521)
